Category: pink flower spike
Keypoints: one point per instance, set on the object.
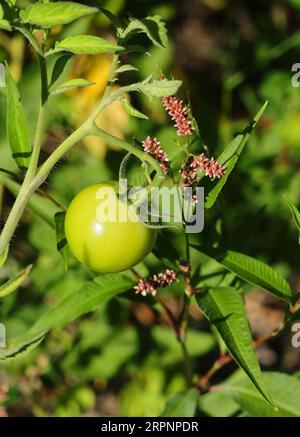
(161, 280)
(153, 148)
(179, 114)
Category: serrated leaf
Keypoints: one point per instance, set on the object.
(252, 270)
(295, 214)
(61, 241)
(59, 67)
(17, 132)
(230, 157)
(86, 45)
(159, 88)
(11, 285)
(225, 309)
(131, 110)
(284, 389)
(126, 67)
(181, 404)
(70, 84)
(151, 26)
(92, 294)
(54, 14)
(5, 25)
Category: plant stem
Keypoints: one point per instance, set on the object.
(187, 363)
(139, 153)
(226, 358)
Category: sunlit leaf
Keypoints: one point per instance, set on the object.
(225, 309)
(54, 14)
(17, 132)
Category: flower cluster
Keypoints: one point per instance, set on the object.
(161, 280)
(179, 114)
(153, 148)
(210, 167)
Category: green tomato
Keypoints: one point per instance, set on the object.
(105, 233)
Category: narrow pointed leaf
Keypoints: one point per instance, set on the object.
(12, 285)
(225, 309)
(159, 88)
(284, 389)
(17, 132)
(54, 14)
(181, 404)
(59, 67)
(230, 157)
(92, 294)
(126, 67)
(5, 25)
(131, 110)
(295, 214)
(152, 27)
(252, 270)
(86, 45)
(70, 84)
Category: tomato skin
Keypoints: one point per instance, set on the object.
(103, 245)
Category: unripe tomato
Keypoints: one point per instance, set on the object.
(104, 233)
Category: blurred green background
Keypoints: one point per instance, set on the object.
(232, 56)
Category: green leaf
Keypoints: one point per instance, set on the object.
(73, 83)
(21, 349)
(225, 309)
(54, 14)
(92, 294)
(126, 67)
(218, 404)
(112, 18)
(1, 12)
(131, 110)
(59, 67)
(295, 214)
(284, 389)
(181, 404)
(11, 285)
(85, 45)
(5, 25)
(151, 26)
(230, 157)
(252, 270)
(17, 132)
(159, 88)
(61, 241)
